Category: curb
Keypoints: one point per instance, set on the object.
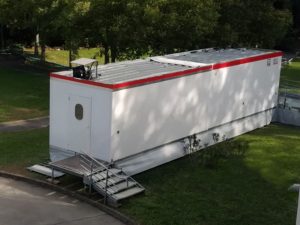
(116, 214)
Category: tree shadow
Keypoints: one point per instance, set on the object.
(29, 63)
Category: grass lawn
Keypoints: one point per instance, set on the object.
(61, 57)
(249, 189)
(241, 190)
(23, 94)
(21, 149)
(290, 77)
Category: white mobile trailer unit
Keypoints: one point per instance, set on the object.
(138, 114)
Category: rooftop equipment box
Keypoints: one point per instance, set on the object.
(140, 112)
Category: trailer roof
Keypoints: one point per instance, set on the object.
(115, 74)
(83, 61)
(211, 56)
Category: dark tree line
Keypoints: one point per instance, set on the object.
(132, 28)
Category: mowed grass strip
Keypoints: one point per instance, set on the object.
(21, 149)
(290, 77)
(23, 94)
(242, 190)
(61, 57)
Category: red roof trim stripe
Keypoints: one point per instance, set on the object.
(247, 60)
(167, 76)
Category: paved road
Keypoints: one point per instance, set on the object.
(25, 204)
(20, 125)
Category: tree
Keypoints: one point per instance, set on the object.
(2, 22)
(71, 24)
(44, 20)
(9, 17)
(252, 23)
(176, 25)
(115, 26)
(131, 28)
(291, 41)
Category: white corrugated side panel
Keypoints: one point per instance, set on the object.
(101, 99)
(148, 116)
(166, 153)
(242, 90)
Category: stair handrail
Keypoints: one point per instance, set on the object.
(102, 176)
(107, 181)
(107, 170)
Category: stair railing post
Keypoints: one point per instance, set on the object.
(298, 210)
(91, 179)
(106, 181)
(52, 175)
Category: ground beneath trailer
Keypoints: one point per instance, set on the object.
(22, 203)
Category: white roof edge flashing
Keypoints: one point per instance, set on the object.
(162, 59)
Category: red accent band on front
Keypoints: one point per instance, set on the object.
(168, 76)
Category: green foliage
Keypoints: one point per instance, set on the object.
(117, 26)
(210, 157)
(180, 25)
(126, 29)
(252, 23)
(15, 49)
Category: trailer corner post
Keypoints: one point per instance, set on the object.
(298, 209)
(296, 188)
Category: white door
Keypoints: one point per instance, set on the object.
(79, 124)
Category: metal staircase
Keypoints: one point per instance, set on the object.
(110, 182)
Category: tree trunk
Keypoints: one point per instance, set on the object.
(36, 45)
(43, 52)
(106, 54)
(2, 36)
(73, 52)
(70, 57)
(113, 54)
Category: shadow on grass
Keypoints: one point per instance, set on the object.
(240, 190)
(27, 62)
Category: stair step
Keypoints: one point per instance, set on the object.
(111, 172)
(121, 186)
(102, 175)
(127, 193)
(111, 181)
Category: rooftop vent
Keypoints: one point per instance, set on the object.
(84, 68)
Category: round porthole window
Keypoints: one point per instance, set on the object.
(78, 111)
